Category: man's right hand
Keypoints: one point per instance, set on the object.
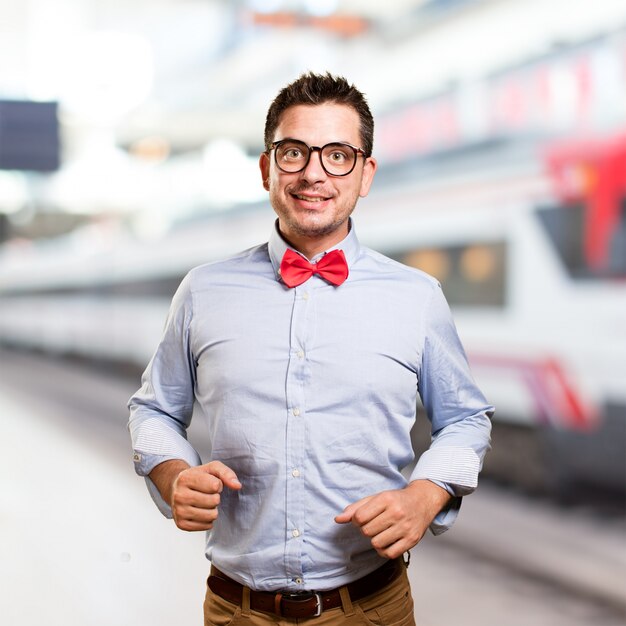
(193, 493)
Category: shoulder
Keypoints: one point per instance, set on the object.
(248, 262)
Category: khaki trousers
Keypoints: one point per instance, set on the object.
(391, 606)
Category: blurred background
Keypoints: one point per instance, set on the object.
(129, 142)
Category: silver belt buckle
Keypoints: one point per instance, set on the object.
(303, 596)
(318, 608)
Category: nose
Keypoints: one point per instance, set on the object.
(314, 171)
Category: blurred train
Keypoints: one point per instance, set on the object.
(528, 241)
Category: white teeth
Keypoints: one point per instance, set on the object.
(309, 199)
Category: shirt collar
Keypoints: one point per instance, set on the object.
(278, 246)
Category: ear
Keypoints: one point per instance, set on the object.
(264, 166)
(369, 169)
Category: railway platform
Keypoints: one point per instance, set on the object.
(81, 542)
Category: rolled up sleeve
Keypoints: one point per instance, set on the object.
(161, 410)
(459, 413)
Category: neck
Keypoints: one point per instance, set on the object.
(310, 246)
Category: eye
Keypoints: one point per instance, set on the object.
(292, 153)
(338, 156)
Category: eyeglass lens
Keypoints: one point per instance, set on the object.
(337, 158)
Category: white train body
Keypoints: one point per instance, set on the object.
(547, 346)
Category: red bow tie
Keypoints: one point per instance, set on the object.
(294, 269)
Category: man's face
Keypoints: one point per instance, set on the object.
(313, 207)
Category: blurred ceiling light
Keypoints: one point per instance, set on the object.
(321, 8)
(13, 192)
(231, 176)
(564, 96)
(107, 74)
(150, 149)
(265, 6)
(150, 225)
(342, 25)
(47, 32)
(102, 178)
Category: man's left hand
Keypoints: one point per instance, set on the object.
(396, 520)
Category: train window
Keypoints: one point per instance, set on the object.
(472, 275)
(588, 247)
(433, 262)
(159, 288)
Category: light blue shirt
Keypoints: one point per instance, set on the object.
(309, 395)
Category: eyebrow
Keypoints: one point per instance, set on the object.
(349, 143)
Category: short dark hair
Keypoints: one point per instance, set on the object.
(313, 89)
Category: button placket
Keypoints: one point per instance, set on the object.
(295, 387)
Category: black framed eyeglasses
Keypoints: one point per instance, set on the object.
(337, 158)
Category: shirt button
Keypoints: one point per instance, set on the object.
(299, 581)
(295, 532)
(296, 411)
(300, 354)
(305, 295)
(295, 473)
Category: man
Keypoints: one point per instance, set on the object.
(305, 356)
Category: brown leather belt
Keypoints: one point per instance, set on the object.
(307, 603)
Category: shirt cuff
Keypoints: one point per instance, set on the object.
(445, 518)
(458, 468)
(145, 463)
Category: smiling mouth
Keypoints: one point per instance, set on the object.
(310, 198)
